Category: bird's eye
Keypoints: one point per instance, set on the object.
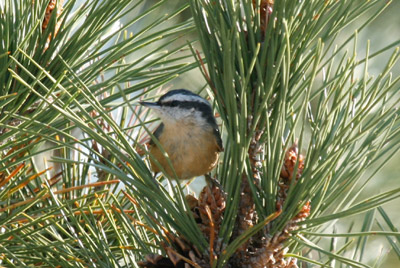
(174, 103)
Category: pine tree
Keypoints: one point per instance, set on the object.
(301, 119)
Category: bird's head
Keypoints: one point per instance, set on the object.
(183, 106)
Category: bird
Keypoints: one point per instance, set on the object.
(188, 133)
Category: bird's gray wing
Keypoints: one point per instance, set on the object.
(157, 132)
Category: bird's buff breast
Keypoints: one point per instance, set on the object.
(192, 151)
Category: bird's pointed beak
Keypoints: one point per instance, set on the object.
(152, 105)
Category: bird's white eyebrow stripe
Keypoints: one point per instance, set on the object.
(184, 98)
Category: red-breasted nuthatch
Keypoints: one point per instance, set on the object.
(188, 134)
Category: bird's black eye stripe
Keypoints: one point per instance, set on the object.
(186, 104)
(170, 104)
(204, 108)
